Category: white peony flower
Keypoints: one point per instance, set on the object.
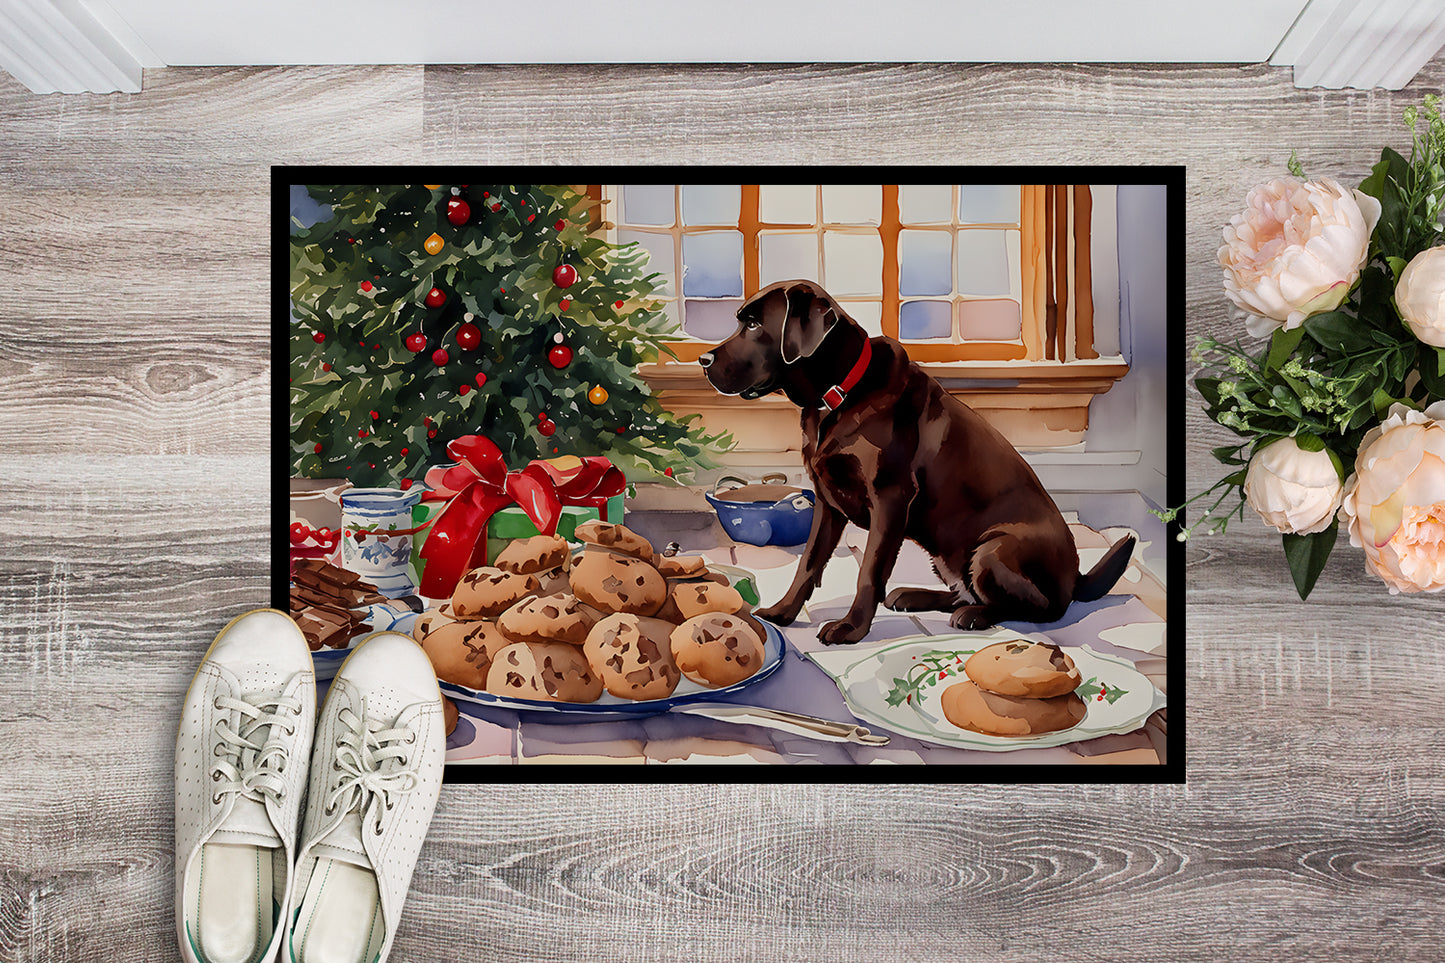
(1395, 501)
(1296, 250)
(1420, 296)
(1296, 491)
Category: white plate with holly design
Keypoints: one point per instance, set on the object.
(898, 687)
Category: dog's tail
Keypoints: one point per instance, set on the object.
(1102, 576)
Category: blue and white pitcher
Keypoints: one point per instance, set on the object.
(368, 515)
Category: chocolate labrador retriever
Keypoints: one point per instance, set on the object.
(890, 450)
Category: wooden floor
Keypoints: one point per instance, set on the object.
(134, 498)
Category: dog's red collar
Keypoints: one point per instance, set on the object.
(834, 396)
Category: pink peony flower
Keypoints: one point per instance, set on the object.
(1296, 250)
(1296, 491)
(1395, 501)
(1420, 296)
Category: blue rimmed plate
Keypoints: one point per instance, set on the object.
(611, 708)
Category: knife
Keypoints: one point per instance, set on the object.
(808, 726)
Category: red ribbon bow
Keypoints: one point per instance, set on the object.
(482, 485)
(588, 482)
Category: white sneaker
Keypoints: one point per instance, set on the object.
(241, 754)
(375, 776)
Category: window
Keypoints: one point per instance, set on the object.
(971, 272)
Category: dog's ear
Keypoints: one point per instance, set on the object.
(811, 313)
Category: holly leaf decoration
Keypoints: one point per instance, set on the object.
(1093, 688)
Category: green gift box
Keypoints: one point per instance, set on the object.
(510, 524)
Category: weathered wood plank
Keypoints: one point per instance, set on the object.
(134, 458)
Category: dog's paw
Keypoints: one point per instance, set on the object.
(842, 632)
(777, 614)
(972, 618)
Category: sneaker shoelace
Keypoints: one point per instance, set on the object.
(374, 765)
(251, 758)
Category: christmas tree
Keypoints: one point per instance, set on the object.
(423, 313)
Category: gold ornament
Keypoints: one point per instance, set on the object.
(598, 395)
(433, 244)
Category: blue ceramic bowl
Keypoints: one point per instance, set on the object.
(763, 514)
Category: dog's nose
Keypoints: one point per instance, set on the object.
(705, 360)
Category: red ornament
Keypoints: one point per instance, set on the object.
(560, 356)
(531, 218)
(416, 341)
(432, 433)
(496, 207)
(325, 366)
(298, 533)
(464, 389)
(440, 357)
(667, 472)
(564, 275)
(547, 428)
(404, 451)
(458, 211)
(366, 286)
(560, 225)
(542, 416)
(361, 433)
(469, 336)
(318, 337)
(317, 449)
(427, 421)
(617, 304)
(566, 303)
(374, 416)
(406, 484)
(435, 298)
(481, 379)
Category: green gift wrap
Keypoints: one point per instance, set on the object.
(510, 524)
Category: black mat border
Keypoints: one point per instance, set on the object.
(1174, 771)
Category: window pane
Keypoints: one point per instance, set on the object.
(852, 204)
(711, 320)
(925, 203)
(712, 265)
(867, 313)
(983, 262)
(853, 263)
(918, 320)
(999, 320)
(988, 204)
(783, 257)
(925, 263)
(711, 203)
(660, 258)
(788, 203)
(648, 204)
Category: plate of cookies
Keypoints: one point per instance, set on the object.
(610, 629)
(995, 691)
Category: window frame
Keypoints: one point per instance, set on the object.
(1049, 331)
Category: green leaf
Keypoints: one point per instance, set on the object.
(1281, 346)
(1307, 555)
(1309, 442)
(1287, 401)
(1339, 332)
(1229, 455)
(1397, 264)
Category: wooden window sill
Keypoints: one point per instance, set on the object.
(1036, 404)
